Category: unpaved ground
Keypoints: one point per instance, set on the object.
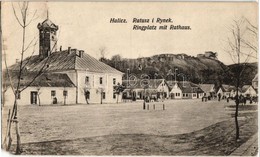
(45, 123)
(217, 139)
(127, 129)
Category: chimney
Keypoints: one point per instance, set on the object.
(60, 48)
(69, 49)
(81, 52)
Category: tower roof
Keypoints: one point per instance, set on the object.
(47, 24)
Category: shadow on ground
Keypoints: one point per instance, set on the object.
(217, 139)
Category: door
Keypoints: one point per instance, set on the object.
(33, 97)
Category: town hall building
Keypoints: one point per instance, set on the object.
(68, 76)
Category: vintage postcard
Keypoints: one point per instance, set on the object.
(129, 78)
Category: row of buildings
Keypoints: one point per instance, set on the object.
(162, 89)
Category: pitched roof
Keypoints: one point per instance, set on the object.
(43, 80)
(187, 87)
(47, 24)
(62, 60)
(245, 88)
(227, 88)
(207, 87)
(138, 83)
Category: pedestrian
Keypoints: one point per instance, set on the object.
(244, 100)
(251, 100)
(219, 96)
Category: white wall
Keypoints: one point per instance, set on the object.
(45, 96)
(94, 87)
(163, 88)
(250, 91)
(174, 91)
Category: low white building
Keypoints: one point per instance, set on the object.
(176, 92)
(208, 89)
(138, 89)
(248, 91)
(47, 89)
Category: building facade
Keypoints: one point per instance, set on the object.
(93, 81)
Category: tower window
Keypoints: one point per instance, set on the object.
(100, 80)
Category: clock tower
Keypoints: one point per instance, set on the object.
(47, 37)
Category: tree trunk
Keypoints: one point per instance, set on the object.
(236, 120)
(18, 144)
(117, 98)
(8, 138)
(101, 97)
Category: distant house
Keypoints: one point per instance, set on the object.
(208, 89)
(255, 82)
(208, 54)
(190, 90)
(188, 93)
(248, 91)
(138, 89)
(226, 91)
(176, 92)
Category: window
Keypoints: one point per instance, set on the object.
(187, 95)
(103, 95)
(114, 96)
(183, 95)
(100, 80)
(86, 80)
(65, 93)
(19, 94)
(53, 93)
(114, 81)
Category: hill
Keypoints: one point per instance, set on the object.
(196, 69)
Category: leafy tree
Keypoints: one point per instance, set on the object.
(118, 89)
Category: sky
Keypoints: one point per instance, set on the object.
(86, 26)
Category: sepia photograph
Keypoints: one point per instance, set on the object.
(129, 78)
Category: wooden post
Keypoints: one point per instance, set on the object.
(154, 106)
(147, 106)
(7, 135)
(18, 148)
(163, 107)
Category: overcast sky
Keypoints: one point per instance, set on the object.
(86, 26)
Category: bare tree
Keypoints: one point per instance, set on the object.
(240, 48)
(22, 15)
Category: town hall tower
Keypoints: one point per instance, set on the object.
(47, 38)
